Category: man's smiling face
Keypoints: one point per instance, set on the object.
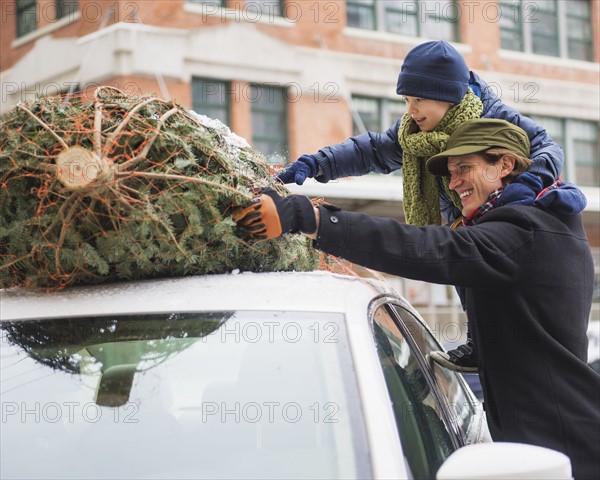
(474, 179)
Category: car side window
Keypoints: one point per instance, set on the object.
(458, 401)
(425, 439)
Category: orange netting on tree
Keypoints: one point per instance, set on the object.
(125, 187)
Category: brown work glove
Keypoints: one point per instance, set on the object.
(270, 215)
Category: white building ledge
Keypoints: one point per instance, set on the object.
(389, 188)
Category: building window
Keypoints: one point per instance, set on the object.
(268, 8)
(370, 114)
(544, 32)
(417, 18)
(547, 27)
(511, 31)
(66, 8)
(584, 151)
(579, 139)
(26, 17)
(361, 14)
(579, 31)
(269, 122)
(210, 98)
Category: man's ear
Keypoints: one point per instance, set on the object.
(507, 163)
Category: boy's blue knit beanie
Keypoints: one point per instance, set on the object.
(434, 70)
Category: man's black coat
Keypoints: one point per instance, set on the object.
(528, 276)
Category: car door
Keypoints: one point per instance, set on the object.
(432, 407)
(464, 409)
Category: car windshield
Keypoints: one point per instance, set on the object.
(241, 394)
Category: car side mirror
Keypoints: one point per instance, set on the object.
(505, 461)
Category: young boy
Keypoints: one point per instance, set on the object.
(440, 93)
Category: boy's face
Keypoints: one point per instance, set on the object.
(474, 179)
(426, 113)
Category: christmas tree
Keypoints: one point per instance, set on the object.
(117, 187)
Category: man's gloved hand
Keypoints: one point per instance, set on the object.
(270, 215)
(305, 166)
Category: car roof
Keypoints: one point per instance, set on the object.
(292, 291)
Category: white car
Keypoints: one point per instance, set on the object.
(270, 375)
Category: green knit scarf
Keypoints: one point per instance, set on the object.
(421, 196)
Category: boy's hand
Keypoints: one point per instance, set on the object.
(305, 166)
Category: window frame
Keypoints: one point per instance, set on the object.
(379, 13)
(281, 157)
(25, 8)
(226, 105)
(568, 39)
(65, 8)
(384, 113)
(365, 7)
(523, 19)
(567, 142)
(390, 304)
(252, 5)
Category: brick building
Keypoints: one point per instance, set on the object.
(294, 75)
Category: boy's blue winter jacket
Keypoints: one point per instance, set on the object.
(381, 152)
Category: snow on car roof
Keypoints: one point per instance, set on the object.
(301, 291)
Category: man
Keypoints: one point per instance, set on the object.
(526, 267)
